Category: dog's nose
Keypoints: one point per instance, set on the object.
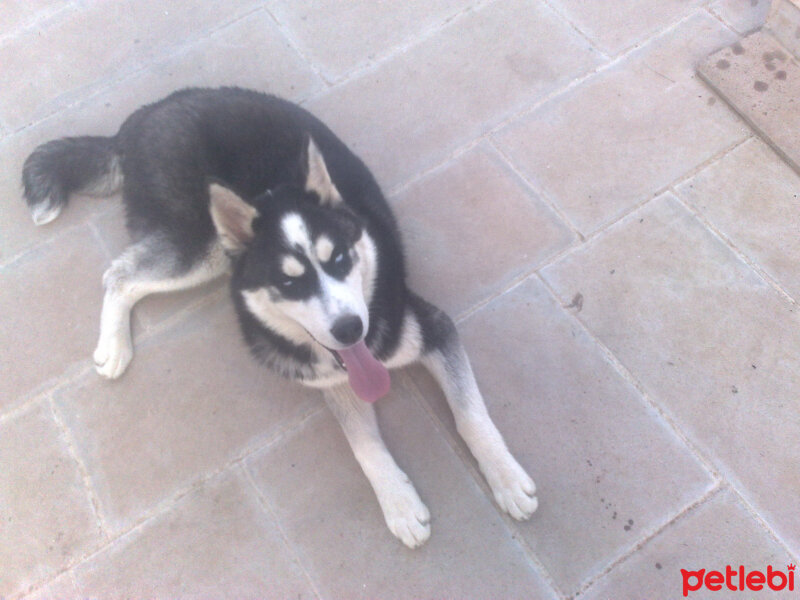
(348, 329)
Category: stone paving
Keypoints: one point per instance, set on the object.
(619, 249)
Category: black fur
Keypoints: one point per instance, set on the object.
(60, 167)
(168, 151)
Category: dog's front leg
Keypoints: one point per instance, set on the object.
(511, 486)
(406, 516)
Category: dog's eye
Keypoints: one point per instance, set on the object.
(288, 282)
(337, 260)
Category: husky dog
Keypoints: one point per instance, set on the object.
(219, 179)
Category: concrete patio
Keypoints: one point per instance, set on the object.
(620, 250)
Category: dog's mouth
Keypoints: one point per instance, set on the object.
(367, 376)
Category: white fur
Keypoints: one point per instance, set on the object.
(303, 320)
(405, 514)
(323, 248)
(410, 347)
(318, 179)
(297, 320)
(513, 490)
(368, 265)
(292, 267)
(232, 217)
(126, 283)
(44, 212)
(295, 232)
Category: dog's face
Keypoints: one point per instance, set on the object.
(305, 265)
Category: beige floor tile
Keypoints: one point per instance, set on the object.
(615, 27)
(68, 60)
(364, 30)
(472, 227)
(708, 339)
(597, 164)
(327, 508)
(192, 400)
(17, 231)
(47, 518)
(742, 15)
(607, 469)
(762, 81)
(714, 535)
(215, 542)
(782, 24)
(411, 111)
(61, 588)
(50, 302)
(676, 54)
(250, 53)
(751, 196)
(15, 14)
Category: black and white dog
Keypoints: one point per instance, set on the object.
(214, 179)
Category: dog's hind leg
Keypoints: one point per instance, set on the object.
(445, 358)
(147, 267)
(405, 514)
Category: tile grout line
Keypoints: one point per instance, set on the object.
(740, 254)
(585, 239)
(91, 493)
(288, 36)
(37, 19)
(585, 36)
(418, 38)
(670, 422)
(721, 20)
(58, 233)
(269, 511)
(98, 87)
(764, 524)
(169, 503)
(691, 446)
(689, 508)
(544, 196)
(468, 462)
(70, 375)
(537, 104)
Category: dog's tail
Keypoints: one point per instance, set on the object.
(89, 165)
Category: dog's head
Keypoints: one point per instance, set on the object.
(304, 263)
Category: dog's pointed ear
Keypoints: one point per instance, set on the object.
(318, 180)
(233, 217)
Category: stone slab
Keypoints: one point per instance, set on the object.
(409, 112)
(191, 401)
(329, 512)
(215, 542)
(753, 198)
(448, 221)
(607, 469)
(46, 517)
(714, 535)
(708, 339)
(761, 80)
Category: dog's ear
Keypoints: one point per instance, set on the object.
(232, 216)
(318, 180)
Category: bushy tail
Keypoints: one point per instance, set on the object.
(55, 170)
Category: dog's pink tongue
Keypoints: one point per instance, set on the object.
(368, 377)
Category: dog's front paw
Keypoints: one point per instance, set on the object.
(112, 355)
(514, 491)
(406, 516)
